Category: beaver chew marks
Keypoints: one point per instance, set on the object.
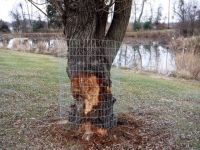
(85, 87)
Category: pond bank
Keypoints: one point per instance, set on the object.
(147, 37)
(143, 37)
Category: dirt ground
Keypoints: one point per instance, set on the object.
(134, 131)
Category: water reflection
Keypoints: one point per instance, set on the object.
(154, 58)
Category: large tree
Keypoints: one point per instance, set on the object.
(90, 57)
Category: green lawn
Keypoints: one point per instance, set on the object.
(30, 89)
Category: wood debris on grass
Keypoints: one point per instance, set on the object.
(132, 132)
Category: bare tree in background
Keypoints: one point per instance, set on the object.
(169, 5)
(187, 14)
(158, 17)
(19, 23)
(192, 17)
(16, 20)
(29, 15)
(142, 10)
(23, 21)
(135, 10)
(139, 7)
(180, 10)
(151, 8)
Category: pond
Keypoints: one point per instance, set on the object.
(151, 57)
(154, 58)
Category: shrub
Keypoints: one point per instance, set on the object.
(38, 24)
(41, 47)
(20, 44)
(183, 45)
(137, 26)
(147, 25)
(4, 27)
(58, 48)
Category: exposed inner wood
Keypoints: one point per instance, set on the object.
(87, 89)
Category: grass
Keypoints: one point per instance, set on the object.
(29, 90)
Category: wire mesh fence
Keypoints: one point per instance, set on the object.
(89, 96)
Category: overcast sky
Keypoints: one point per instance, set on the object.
(7, 5)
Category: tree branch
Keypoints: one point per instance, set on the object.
(120, 20)
(35, 5)
(119, 24)
(140, 16)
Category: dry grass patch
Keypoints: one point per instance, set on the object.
(187, 56)
(188, 65)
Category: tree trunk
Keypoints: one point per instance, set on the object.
(90, 57)
(141, 13)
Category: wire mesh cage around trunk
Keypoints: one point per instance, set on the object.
(87, 96)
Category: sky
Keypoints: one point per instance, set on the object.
(7, 5)
(155, 4)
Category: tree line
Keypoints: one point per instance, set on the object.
(22, 19)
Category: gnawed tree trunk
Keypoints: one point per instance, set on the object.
(90, 57)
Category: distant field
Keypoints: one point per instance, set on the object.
(29, 93)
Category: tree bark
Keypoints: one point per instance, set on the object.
(119, 25)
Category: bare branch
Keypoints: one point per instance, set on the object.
(33, 3)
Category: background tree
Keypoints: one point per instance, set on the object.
(37, 25)
(25, 26)
(20, 23)
(187, 13)
(135, 10)
(158, 17)
(137, 26)
(29, 15)
(16, 24)
(147, 25)
(142, 10)
(4, 26)
(139, 9)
